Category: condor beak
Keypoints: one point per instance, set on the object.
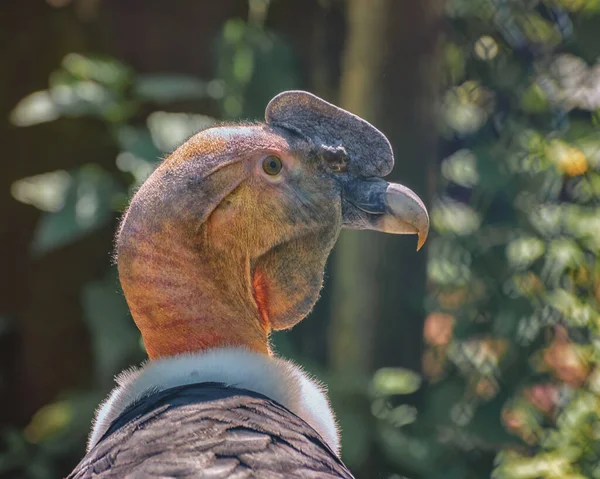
(375, 204)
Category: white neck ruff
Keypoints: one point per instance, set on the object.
(278, 379)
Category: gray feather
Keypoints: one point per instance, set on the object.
(209, 431)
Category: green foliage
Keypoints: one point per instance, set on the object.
(389, 381)
(512, 353)
(87, 204)
(115, 338)
(252, 63)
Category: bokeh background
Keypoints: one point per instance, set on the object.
(478, 356)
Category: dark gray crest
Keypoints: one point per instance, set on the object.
(368, 151)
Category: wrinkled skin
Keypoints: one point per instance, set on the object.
(214, 251)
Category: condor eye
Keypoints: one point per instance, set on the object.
(272, 165)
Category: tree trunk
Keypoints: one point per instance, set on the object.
(389, 78)
(355, 296)
(409, 88)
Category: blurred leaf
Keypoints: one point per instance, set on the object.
(74, 97)
(139, 167)
(35, 108)
(255, 65)
(582, 409)
(14, 453)
(445, 272)
(521, 252)
(104, 70)
(402, 415)
(243, 64)
(114, 335)
(168, 88)
(276, 69)
(581, 6)
(584, 224)
(467, 107)
(561, 254)
(87, 207)
(480, 9)
(234, 30)
(84, 86)
(547, 219)
(461, 168)
(543, 465)
(406, 451)
(455, 62)
(590, 147)
(138, 142)
(389, 381)
(464, 118)
(46, 192)
(571, 308)
(534, 100)
(449, 216)
(47, 421)
(538, 29)
(169, 130)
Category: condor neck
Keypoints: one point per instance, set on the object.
(187, 298)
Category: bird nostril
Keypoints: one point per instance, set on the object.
(336, 158)
(338, 168)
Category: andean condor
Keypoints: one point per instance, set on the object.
(226, 241)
